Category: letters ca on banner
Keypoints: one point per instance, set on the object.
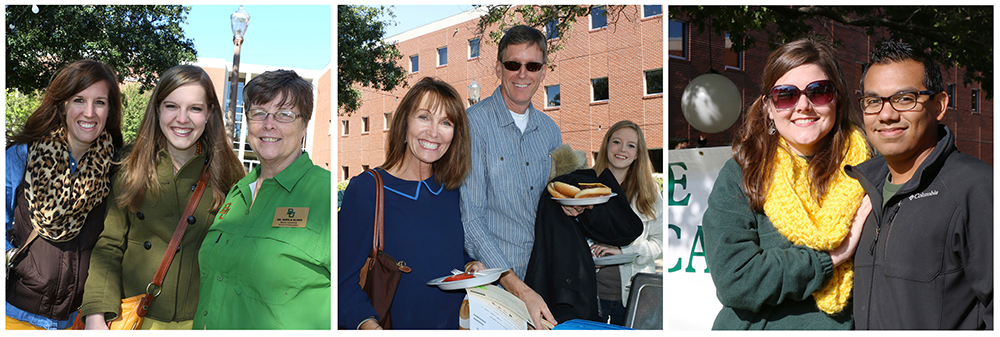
(690, 176)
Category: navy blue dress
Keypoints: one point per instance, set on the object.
(423, 227)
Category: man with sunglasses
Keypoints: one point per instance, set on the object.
(511, 141)
(925, 259)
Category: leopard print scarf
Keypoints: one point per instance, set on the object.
(58, 202)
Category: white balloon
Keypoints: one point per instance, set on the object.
(711, 103)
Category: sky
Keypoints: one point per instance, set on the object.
(410, 16)
(283, 36)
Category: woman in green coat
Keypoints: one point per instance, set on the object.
(783, 219)
(181, 134)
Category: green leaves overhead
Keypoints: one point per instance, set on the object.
(138, 41)
(362, 56)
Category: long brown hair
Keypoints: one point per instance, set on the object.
(51, 113)
(639, 185)
(754, 148)
(138, 174)
(452, 168)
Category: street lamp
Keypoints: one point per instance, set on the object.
(473, 92)
(240, 20)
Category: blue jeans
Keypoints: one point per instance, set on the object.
(612, 312)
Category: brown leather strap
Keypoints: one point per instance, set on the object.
(175, 241)
(378, 238)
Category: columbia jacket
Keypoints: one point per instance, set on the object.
(925, 261)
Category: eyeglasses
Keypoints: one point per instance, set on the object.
(786, 96)
(515, 66)
(280, 116)
(904, 101)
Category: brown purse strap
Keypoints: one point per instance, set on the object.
(175, 241)
(378, 236)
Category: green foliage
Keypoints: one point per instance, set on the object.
(499, 18)
(363, 57)
(959, 36)
(19, 106)
(134, 103)
(137, 41)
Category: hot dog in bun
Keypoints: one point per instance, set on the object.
(563, 190)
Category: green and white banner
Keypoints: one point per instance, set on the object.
(690, 300)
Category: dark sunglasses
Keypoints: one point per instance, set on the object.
(515, 66)
(785, 96)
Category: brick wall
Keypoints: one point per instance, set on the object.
(621, 51)
(974, 131)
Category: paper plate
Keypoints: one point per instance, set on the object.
(612, 260)
(584, 201)
(485, 276)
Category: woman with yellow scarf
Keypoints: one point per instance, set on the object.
(783, 219)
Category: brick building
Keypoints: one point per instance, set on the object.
(622, 60)
(691, 54)
(318, 141)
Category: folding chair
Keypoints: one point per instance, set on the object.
(645, 302)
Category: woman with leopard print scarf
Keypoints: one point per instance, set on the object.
(58, 174)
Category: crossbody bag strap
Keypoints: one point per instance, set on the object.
(153, 288)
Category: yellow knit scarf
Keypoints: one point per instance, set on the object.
(794, 212)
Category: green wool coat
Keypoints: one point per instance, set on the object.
(763, 281)
(131, 247)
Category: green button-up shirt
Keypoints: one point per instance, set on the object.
(256, 275)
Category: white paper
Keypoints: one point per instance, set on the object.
(492, 308)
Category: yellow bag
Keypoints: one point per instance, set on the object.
(129, 318)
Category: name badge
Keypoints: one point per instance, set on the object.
(291, 217)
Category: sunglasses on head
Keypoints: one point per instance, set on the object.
(515, 66)
(786, 96)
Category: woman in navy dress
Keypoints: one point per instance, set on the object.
(427, 157)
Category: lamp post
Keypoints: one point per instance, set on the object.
(473, 92)
(240, 20)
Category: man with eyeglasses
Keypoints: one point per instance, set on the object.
(511, 141)
(925, 258)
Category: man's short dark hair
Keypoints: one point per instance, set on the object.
(523, 34)
(892, 51)
(293, 89)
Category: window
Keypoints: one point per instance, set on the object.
(364, 124)
(678, 40)
(442, 56)
(975, 101)
(734, 60)
(550, 30)
(598, 17)
(345, 130)
(599, 89)
(651, 10)
(238, 117)
(473, 48)
(386, 120)
(552, 96)
(346, 172)
(654, 81)
(951, 95)
(414, 63)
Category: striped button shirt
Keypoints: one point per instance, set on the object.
(509, 172)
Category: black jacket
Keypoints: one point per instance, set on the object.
(926, 260)
(561, 269)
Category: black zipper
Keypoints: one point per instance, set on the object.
(878, 228)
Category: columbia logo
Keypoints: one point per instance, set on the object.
(923, 195)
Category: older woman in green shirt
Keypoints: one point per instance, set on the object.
(265, 262)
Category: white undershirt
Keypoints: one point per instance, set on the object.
(521, 120)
